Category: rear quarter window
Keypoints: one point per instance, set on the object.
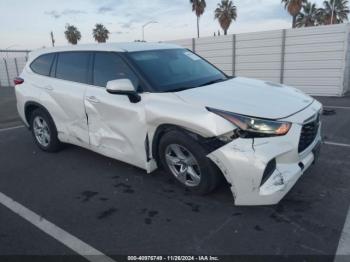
(42, 65)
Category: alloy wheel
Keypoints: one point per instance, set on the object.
(183, 165)
(41, 131)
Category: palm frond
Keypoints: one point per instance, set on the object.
(226, 12)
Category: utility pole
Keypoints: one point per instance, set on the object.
(52, 39)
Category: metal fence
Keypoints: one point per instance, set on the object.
(12, 63)
(314, 59)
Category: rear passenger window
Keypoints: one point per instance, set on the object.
(42, 64)
(109, 66)
(73, 66)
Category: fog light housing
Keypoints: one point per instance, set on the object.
(270, 168)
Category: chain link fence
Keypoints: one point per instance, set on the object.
(12, 63)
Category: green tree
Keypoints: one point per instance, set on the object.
(334, 12)
(72, 34)
(309, 15)
(226, 12)
(198, 6)
(100, 33)
(294, 8)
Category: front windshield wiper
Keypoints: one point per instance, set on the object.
(180, 89)
(214, 81)
(192, 87)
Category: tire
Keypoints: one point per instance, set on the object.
(45, 136)
(209, 175)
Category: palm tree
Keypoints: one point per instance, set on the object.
(100, 33)
(308, 16)
(294, 8)
(72, 34)
(334, 12)
(226, 12)
(198, 6)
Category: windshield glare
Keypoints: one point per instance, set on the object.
(175, 69)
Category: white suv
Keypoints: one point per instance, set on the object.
(156, 105)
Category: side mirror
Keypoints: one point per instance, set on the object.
(123, 87)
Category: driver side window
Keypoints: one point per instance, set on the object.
(109, 66)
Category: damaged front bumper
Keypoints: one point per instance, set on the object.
(244, 163)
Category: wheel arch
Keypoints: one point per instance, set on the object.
(210, 144)
(29, 108)
(160, 131)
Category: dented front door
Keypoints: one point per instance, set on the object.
(116, 126)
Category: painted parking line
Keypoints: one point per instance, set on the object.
(337, 107)
(70, 241)
(343, 251)
(11, 128)
(336, 144)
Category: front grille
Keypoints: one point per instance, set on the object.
(309, 133)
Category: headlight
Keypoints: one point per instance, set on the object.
(254, 127)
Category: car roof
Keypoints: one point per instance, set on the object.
(110, 47)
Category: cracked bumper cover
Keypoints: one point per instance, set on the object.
(243, 162)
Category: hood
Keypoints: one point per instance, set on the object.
(249, 97)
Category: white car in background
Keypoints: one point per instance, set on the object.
(153, 105)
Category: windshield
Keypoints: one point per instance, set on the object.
(174, 70)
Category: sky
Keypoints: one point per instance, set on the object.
(26, 24)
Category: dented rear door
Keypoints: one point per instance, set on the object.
(64, 96)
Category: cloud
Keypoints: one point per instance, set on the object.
(67, 12)
(119, 32)
(73, 12)
(53, 13)
(105, 9)
(131, 23)
(127, 25)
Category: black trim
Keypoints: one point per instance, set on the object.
(54, 66)
(134, 97)
(36, 105)
(52, 63)
(270, 168)
(148, 157)
(91, 68)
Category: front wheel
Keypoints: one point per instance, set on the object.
(186, 160)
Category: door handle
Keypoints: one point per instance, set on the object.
(92, 99)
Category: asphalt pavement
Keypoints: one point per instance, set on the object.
(120, 210)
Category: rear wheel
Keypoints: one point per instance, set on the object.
(185, 159)
(44, 131)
